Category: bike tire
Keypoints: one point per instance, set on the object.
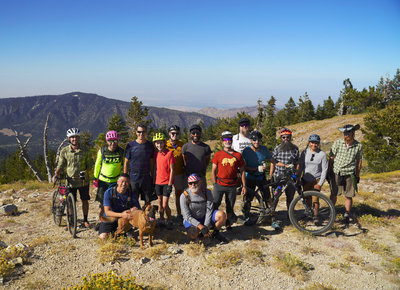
(55, 208)
(301, 214)
(71, 215)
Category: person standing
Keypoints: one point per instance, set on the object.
(139, 162)
(285, 154)
(313, 168)
(255, 158)
(164, 177)
(226, 164)
(241, 140)
(175, 145)
(75, 162)
(346, 158)
(108, 166)
(196, 155)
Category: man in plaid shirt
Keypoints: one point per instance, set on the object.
(346, 157)
(283, 155)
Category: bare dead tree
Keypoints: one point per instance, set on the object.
(46, 159)
(59, 149)
(24, 155)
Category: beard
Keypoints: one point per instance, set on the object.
(195, 189)
(286, 146)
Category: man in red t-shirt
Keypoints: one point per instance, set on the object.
(226, 165)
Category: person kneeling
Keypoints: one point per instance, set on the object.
(198, 214)
(118, 201)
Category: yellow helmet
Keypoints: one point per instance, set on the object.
(159, 137)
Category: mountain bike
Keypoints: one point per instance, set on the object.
(63, 198)
(302, 212)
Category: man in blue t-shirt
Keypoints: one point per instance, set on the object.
(255, 157)
(118, 201)
(139, 158)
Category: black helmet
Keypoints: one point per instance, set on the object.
(314, 138)
(244, 121)
(255, 135)
(195, 127)
(174, 127)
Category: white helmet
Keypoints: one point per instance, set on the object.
(73, 132)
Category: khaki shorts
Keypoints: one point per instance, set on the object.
(180, 182)
(307, 186)
(346, 189)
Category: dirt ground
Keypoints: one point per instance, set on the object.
(358, 257)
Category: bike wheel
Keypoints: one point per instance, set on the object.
(71, 215)
(56, 209)
(301, 213)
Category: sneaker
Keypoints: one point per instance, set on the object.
(228, 225)
(316, 220)
(97, 226)
(84, 225)
(179, 218)
(217, 235)
(170, 226)
(346, 218)
(275, 225)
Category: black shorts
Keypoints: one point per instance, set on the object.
(144, 189)
(108, 227)
(161, 190)
(103, 186)
(83, 192)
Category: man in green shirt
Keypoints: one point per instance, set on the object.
(346, 158)
(74, 162)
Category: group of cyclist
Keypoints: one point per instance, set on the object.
(149, 170)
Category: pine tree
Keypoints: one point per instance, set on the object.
(117, 123)
(290, 112)
(269, 128)
(305, 111)
(329, 108)
(137, 115)
(260, 115)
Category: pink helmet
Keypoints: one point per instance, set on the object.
(112, 135)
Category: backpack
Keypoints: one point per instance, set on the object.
(119, 149)
(188, 197)
(129, 202)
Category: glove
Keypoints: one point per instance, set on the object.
(95, 183)
(204, 231)
(169, 189)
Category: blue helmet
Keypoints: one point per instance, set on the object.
(314, 138)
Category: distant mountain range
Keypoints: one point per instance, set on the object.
(218, 113)
(88, 112)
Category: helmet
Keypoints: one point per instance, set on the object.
(174, 127)
(255, 135)
(226, 134)
(244, 121)
(195, 127)
(112, 135)
(285, 131)
(314, 138)
(193, 177)
(73, 132)
(159, 137)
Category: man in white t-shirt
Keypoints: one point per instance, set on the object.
(241, 140)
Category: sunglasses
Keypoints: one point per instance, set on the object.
(174, 133)
(312, 157)
(194, 182)
(255, 139)
(195, 133)
(140, 132)
(113, 141)
(244, 125)
(285, 137)
(227, 139)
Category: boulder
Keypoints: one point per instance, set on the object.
(8, 209)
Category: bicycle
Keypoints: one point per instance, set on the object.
(63, 198)
(301, 211)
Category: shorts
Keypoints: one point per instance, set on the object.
(346, 188)
(83, 192)
(109, 227)
(309, 185)
(161, 190)
(230, 197)
(188, 225)
(180, 182)
(144, 189)
(103, 186)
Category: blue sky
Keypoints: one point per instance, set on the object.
(196, 53)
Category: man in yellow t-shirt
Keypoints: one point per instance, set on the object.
(175, 145)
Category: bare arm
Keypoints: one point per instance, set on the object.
(171, 174)
(214, 173)
(126, 164)
(125, 214)
(184, 159)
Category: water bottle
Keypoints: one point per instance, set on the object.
(277, 190)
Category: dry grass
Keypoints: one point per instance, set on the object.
(374, 247)
(28, 185)
(154, 252)
(385, 177)
(224, 259)
(308, 250)
(194, 249)
(319, 286)
(375, 221)
(355, 260)
(110, 252)
(39, 241)
(293, 266)
(342, 266)
(37, 284)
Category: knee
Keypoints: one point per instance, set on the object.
(220, 216)
(103, 236)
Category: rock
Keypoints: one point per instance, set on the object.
(3, 244)
(144, 260)
(34, 194)
(6, 231)
(332, 235)
(20, 246)
(17, 261)
(21, 190)
(20, 199)
(174, 250)
(1, 203)
(165, 257)
(8, 209)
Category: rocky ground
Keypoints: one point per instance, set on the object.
(358, 257)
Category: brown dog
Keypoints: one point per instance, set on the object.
(143, 219)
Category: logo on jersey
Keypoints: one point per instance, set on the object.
(230, 161)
